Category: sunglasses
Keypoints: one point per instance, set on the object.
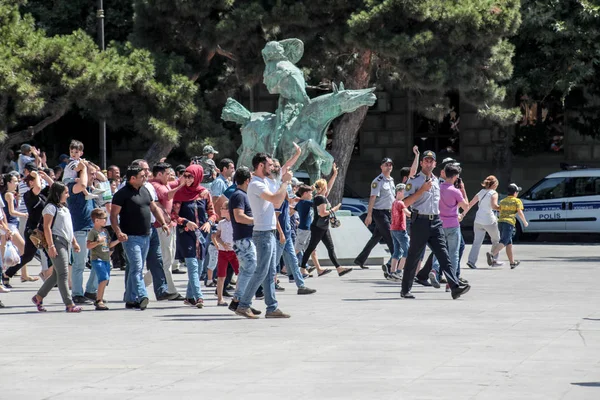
(188, 176)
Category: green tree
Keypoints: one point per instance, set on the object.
(42, 77)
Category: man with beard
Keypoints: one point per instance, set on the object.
(262, 203)
(423, 194)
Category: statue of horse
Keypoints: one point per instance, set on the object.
(307, 126)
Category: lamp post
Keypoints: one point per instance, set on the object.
(100, 18)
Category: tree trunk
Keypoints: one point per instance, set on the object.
(345, 133)
(502, 157)
(157, 151)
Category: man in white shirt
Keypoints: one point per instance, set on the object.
(263, 202)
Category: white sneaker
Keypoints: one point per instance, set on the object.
(4, 289)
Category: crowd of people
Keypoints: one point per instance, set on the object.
(247, 225)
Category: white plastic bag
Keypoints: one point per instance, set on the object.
(11, 255)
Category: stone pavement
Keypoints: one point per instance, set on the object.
(529, 333)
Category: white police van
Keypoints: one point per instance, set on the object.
(563, 202)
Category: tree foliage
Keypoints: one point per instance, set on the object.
(42, 77)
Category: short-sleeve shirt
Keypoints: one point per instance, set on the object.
(385, 190)
(35, 206)
(509, 206)
(226, 229)
(449, 199)
(230, 190)
(134, 217)
(81, 210)
(262, 210)
(428, 203)
(304, 208)
(102, 251)
(162, 195)
(61, 225)
(317, 201)
(485, 213)
(398, 216)
(219, 186)
(239, 199)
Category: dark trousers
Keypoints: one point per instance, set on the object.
(319, 235)
(383, 222)
(424, 272)
(118, 255)
(424, 232)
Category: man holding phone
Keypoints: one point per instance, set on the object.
(423, 194)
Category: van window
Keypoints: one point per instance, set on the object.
(586, 186)
(547, 189)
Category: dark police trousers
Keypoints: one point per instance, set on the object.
(383, 222)
(427, 231)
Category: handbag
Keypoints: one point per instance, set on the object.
(37, 236)
(334, 222)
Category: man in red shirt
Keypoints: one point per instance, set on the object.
(165, 190)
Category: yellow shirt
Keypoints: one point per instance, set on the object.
(509, 207)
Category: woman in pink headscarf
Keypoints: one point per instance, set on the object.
(194, 213)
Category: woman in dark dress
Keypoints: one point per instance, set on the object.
(194, 213)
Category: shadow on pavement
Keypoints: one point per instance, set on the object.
(586, 384)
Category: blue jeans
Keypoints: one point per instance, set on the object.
(245, 251)
(401, 242)
(453, 242)
(193, 288)
(506, 232)
(79, 260)
(289, 258)
(154, 262)
(136, 248)
(264, 274)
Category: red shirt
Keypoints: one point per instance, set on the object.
(398, 216)
(162, 192)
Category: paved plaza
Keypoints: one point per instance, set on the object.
(529, 333)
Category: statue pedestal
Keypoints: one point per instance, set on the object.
(349, 240)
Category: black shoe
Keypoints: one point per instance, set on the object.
(144, 303)
(131, 305)
(168, 296)
(227, 294)
(230, 287)
(6, 282)
(408, 295)
(255, 312)
(423, 282)
(459, 291)
(361, 265)
(279, 288)
(81, 300)
(305, 290)
(91, 296)
(178, 271)
(512, 265)
(178, 298)
(234, 305)
(88, 264)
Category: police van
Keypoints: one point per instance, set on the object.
(563, 202)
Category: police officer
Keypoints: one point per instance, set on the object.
(380, 204)
(423, 194)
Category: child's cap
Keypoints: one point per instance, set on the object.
(513, 188)
(400, 186)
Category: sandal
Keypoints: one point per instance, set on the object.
(100, 306)
(38, 304)
(344, 271)
(222, 303)
(325, 272)
(29, 279)
(311, 269)
(73, 309)
(199, 303)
